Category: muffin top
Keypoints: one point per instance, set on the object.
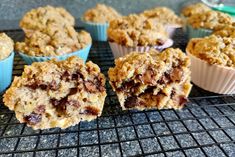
(6, 46)
(194, 9)
(40, 18)
(209, 20)
(214, 50)
(101, 13)
(136, 30)
(163, 15)
(54, 42)
(226, 31)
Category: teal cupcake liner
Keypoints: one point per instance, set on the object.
(6, 67)
(83, 54)
(98, 31)
(197, 33)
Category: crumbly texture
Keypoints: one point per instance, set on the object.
(40, 18)
(214, 50)
(57, 94)
(54, 42)
(209, 20)
(6, 46)
(136, 30)
(151, 79)
(101, 13)
(194, 9)
(164, 15)
(226, 31)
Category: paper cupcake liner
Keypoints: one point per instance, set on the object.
(170, 29)
(119, 50)
(98, 31)
(213, 78)
(6, 66)
(83, 54)
(197, 33)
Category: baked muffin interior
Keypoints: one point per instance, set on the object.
(151, 80)
(57, 94)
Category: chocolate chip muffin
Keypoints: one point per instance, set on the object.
(151, 79)
(101, 13)
(57, 93)
(6, 46)
(40, 18)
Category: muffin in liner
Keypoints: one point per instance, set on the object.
(82, 53)
(213, 78)
(6, 66)
(98, 31)
(120, 50)
(197, 33)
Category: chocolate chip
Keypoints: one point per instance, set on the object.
(32, 86)
(40, 109)
(42, 86)
(176, 74)
(90, 86)
(77, 76)
(126, 85)
(164, 79)
(73, 91)
(131, 102)
(90, 111)
(60, 105)
(182, 100)
(33, 118)
(66, 76)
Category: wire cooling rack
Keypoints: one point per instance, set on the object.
(206, 127)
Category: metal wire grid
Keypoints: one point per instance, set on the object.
(206, 127)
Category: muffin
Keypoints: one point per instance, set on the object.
(54, 43)
(6, 61)
(202, 24)
(96, 20)
(165, 16)
(194, 8)
(136, 33)
(213, 63)
(57, 93)
(39, 18)
(151, 80)
(226, 31)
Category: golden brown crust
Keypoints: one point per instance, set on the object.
(214, 50)
(194, 9)
(6, 46)
(40, 18)
(209, 20)
(226, 31)
(57, 94)
(54, 42)
(135, 30)
(101, 13)
(151, 79)
(163, 15)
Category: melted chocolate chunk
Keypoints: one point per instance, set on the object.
(60, 105)
(90, 86)
(126, 85)
(33, 118)
(90, 111)
(40, 109)
(77, 76)
(131, 102)
(66, 76)
(182, 100)
(176, 74)
(73, 91)
(43, 86)
(164, 79)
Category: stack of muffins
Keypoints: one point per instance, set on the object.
(147, 74)
(49, 33)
